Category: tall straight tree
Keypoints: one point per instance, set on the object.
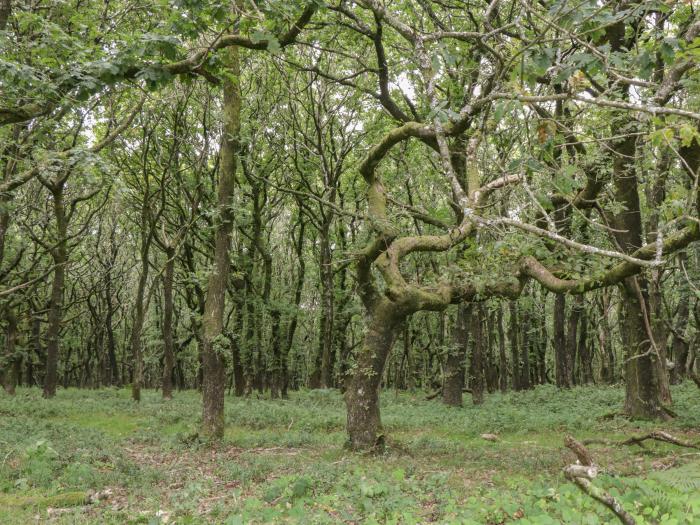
(214, 366)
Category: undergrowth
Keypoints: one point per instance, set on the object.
(284, 461)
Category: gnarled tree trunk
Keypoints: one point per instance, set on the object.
(364, 424)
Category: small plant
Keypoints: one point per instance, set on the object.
(39, 463)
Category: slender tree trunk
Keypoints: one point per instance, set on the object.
(321, 376)
(298, 289)
(561, 354)
(502, 362)
(525, 376)
(276, 351)
(584, 351)
(572, 338)
(679, 342)
(514, 348)
(453, 378)
(135, 342)
(233, 337)
(476, 366)
(214, 366)
(10, 376)
(111, 345)
(489, 337)
(168, 350)
(606, 343)
(542, 350)
(55, 315)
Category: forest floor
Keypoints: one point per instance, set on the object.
(284, 461)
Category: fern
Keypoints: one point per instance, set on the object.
(685, 478)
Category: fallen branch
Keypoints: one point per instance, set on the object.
(656, 435)
(581, 475)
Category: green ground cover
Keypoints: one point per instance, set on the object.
(96, 457)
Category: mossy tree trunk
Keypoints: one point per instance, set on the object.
(213, 363)
(453, 380)
(11, 372)
(364, 424)
(476, 368)
(55, 316)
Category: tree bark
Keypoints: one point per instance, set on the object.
(135, 342)
(10, 376)
(5, 12)
(233, 337)
(476, 366)
(453, 380)
(561, 355)
(525, 382)
(514, 349)
(168, 349)
(679, 343)
(321, 375)
(646, 380)
(55, 315)
(572, 338)
(606, 343)
(214, 367)
(502, 362)
(298, 289)
(364, 424)
(584, 353)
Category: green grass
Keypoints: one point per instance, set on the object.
(285, 461)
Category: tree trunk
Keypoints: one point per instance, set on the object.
(491, 371)
(502, 362)
(10, 376)
(542, 348)
(364, 424)
(55, 315)
(514, 349)
(453, 379)
(646, 381)
(238, 370)
(213, 364)
(293, 321)
(5, 12)
(321, 376)
(168, 350)
(584, 353)
(642, 371)
(679, 344)
(561, 355)
(607, 351)
(139, 314)
(572, 338)
(476, 366)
